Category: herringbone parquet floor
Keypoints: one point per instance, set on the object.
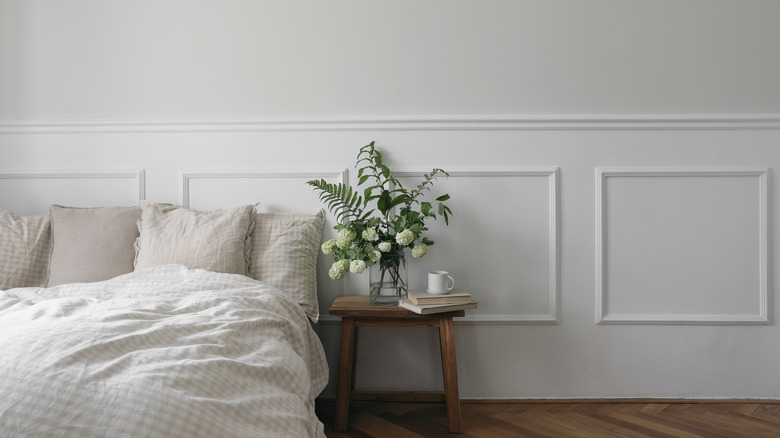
(561, 420)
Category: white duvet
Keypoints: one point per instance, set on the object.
(163, 352)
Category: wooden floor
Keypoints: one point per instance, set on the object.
(560, 420)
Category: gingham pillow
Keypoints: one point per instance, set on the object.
(25, 248)
(91, 244)
(212, 240)
(284, 254)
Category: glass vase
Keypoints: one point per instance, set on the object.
(388, 279)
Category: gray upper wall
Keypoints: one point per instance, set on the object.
(148, 60)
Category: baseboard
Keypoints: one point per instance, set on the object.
(388, 397)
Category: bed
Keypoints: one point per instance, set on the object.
(159, 321)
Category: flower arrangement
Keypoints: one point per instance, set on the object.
(379, 235)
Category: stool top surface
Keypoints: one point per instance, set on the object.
(359, 305)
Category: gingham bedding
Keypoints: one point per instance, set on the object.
(162, 352)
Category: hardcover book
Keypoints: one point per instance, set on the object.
(435, 308)
(423, 297)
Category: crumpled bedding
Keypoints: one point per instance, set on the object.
(162, 352)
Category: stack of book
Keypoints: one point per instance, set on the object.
(422, 302)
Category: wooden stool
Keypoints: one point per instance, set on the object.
(356, 311)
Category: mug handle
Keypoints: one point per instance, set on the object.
(453, 283)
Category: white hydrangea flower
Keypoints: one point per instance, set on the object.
(375, 256)
(419, 251)
(347, 233)
(385, 246)
(357, 266)
(329, 247)
(339, 269)
(343, 242)
(369, 234)
(405, 237)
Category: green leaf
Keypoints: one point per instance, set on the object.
(367, 195)
(400, 199)
(355, 200)
(447, 213)
(385, 170)
(443, 198)
(383, 203)
(363, 179)
(425, 208)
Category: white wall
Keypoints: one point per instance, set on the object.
(235, 59)
(612, 162)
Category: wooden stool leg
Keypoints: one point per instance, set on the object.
(354, 359)
(450, 371)
(344, 380)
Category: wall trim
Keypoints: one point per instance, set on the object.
(341, 176)
(335, 175)
(402, 123)
(603, 317)
(138, 175)
(551, 172)
(332, 174)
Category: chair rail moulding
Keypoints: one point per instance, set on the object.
(550, 174)
(676, 224)
(400, 123)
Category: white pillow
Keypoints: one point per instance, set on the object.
(91, 244)
(25, 247)
(284, 252)
(212, 240)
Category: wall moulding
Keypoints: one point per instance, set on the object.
(135, 178)
(187, 177)
(552, 295)
(333, 175)
(138, 175)
(550, 175)
(750, 189)
(401, 123)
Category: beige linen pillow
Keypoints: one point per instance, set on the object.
(212, 240)
(284, 254)
(91, 244)
(25, 247)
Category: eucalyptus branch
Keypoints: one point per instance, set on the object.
(425, 185)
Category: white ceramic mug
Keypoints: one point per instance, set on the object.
(437, 282)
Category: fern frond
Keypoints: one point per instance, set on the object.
(341, 200)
